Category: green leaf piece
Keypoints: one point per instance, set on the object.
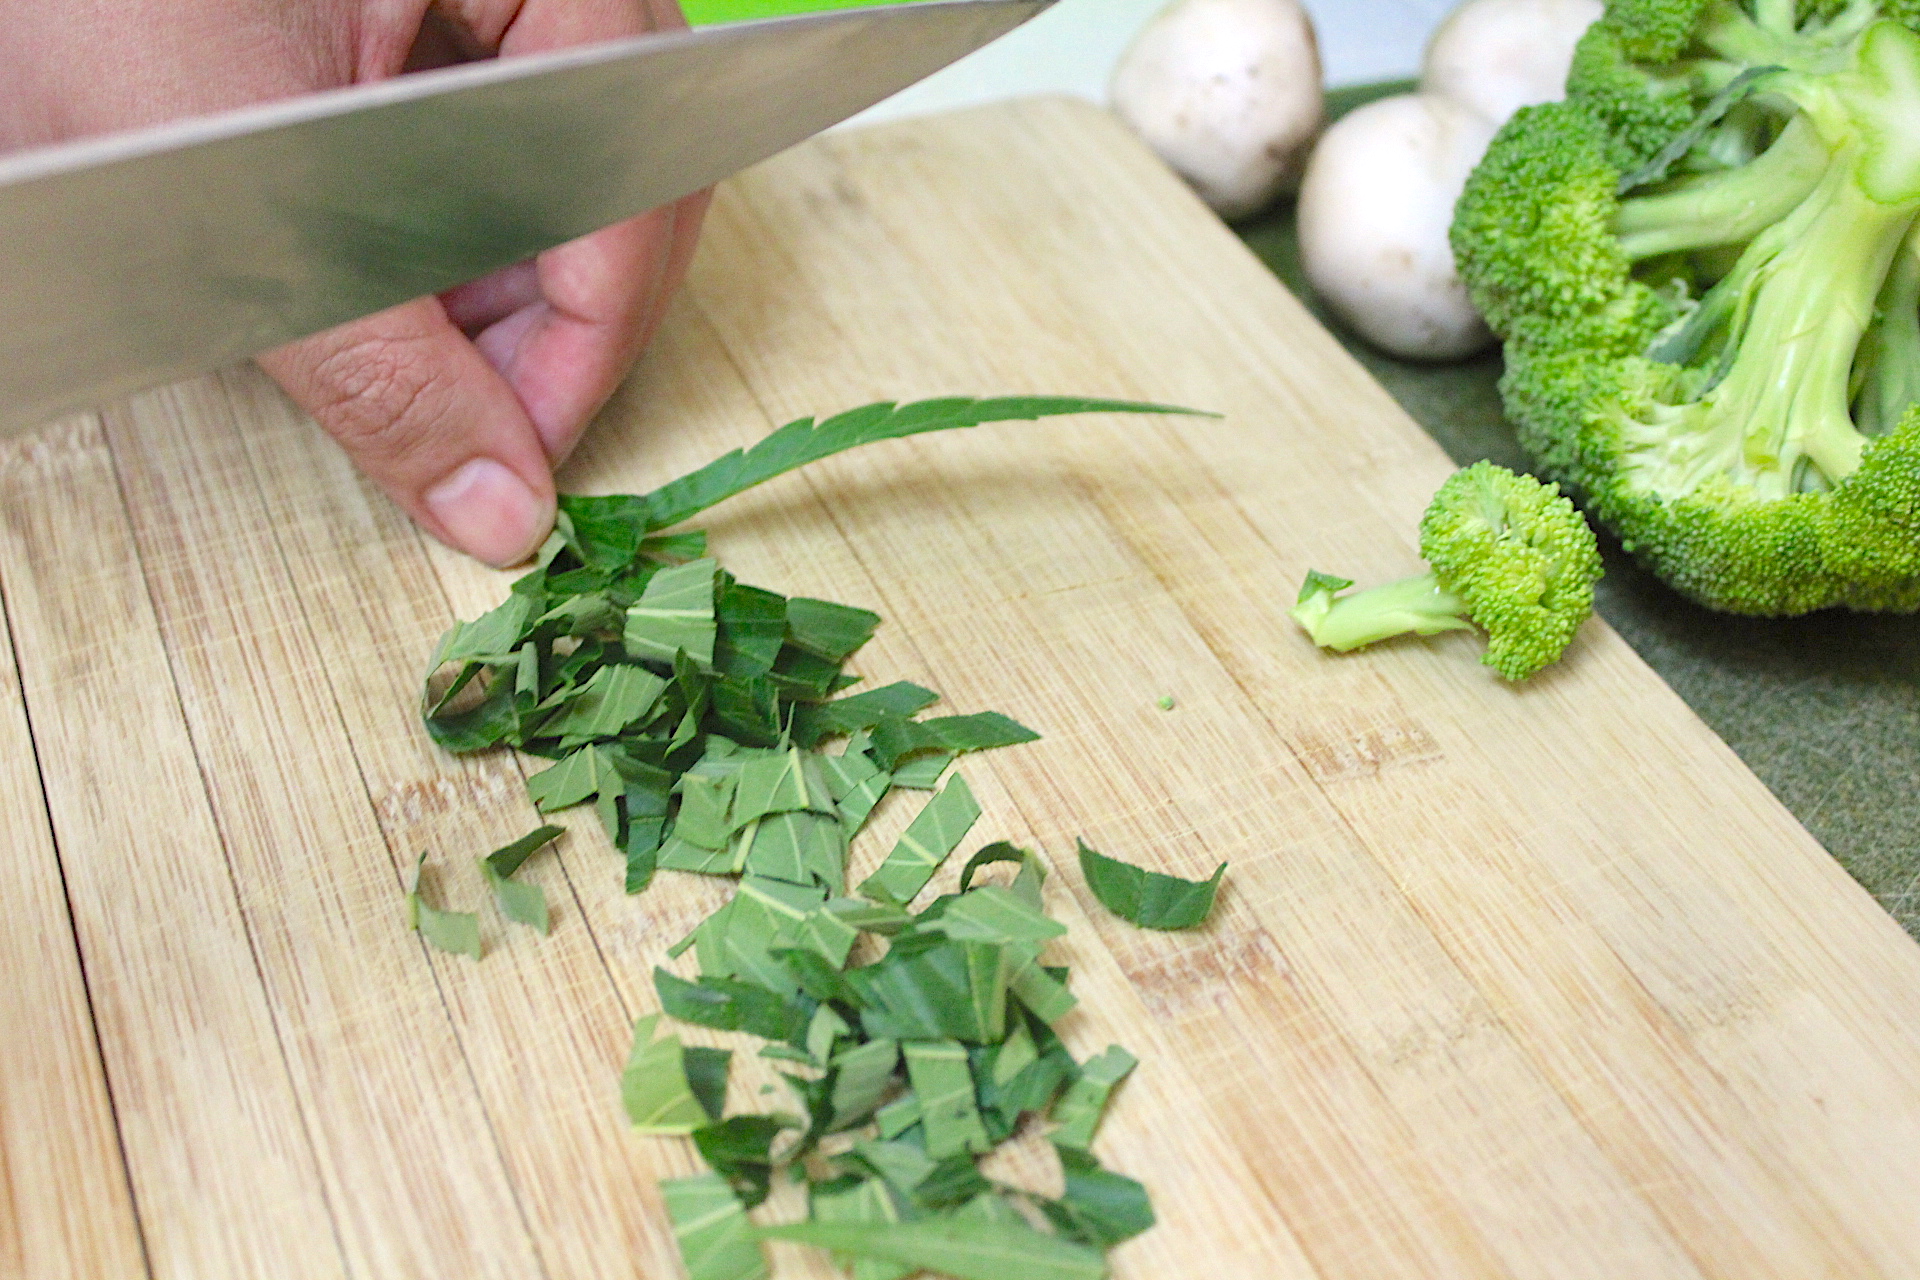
(898, 1116)
(804, 848)
(779, 783)
(706, 1071)
(456, 932)
(654, 1087)
(710, 1226)
(992, 913)
(953, 990)
(1099, 1207)
(922, 772)
(612, 698)
(725, 1004)
(1080, 1108)
(935, 832)
(509, 858)
(894, 738)
(519, 902)
(804, 441)
(740, 1149)
(703, 819)
(863, 1075)
(943, 1081)
(826, 630)
(868, 1201)
(675, 614)
(579, 776)
(752, 627)
(821, 720)
(951, 1246)
(1148, 898)
(490, 636)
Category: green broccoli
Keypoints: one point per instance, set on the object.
(1507, 553)
(1706, 269)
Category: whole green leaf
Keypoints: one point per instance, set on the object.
(1148, 898)
(961, 1248)
(804, 441)
(710, 1226)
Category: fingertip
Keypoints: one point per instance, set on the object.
(489, 512)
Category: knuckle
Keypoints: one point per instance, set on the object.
(380, 394)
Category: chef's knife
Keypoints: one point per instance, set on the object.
(140, 258)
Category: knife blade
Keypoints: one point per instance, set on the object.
(141, 258)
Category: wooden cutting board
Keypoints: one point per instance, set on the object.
(1506, 982)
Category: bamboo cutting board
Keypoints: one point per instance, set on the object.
(1506, 983)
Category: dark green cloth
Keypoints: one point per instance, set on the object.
(1824, 708)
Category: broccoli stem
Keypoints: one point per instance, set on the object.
(1809, 284)
(1418, 606)
(1725, 208)
(1889, 364)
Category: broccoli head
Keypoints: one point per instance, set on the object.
(1706, 270)
(1505, 552)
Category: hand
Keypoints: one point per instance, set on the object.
(458, 406)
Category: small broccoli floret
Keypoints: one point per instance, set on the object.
(1707, 336)
(1506, 553)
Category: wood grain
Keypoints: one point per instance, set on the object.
(1506, 983)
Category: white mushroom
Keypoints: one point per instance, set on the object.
(1228, 93)
(1375, 206)
(1497, 56)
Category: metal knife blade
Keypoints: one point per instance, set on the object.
(141, 258)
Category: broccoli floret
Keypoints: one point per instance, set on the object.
(1506, 553)
(1712, 315)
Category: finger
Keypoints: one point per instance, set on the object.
(416, 406)
(480, 304)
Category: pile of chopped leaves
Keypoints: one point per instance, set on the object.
(695, 713)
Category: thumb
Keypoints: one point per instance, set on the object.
(424, 415)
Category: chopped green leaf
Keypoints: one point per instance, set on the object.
(1099, 1207)
(935, 833)
(827, 630)
(963, 1249)
(952, 990)
(728, 1005)
(922, 772)
(1085, 1101)
(654, 1087)
(612, 698)
(582, 775)
(943, 1081)
(895, 737)
(457, 932)
(863, 1074)
(710, 1226)
(740, 1149)
(706, 1071)
(752, 627)
(1148, 898)
(519, 902)
(509, 858)
(816, 721)
(675, 614)
(866, 1201)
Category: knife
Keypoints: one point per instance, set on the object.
(141, 258)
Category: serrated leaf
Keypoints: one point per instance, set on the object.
(803, 441)
(1148, 898)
